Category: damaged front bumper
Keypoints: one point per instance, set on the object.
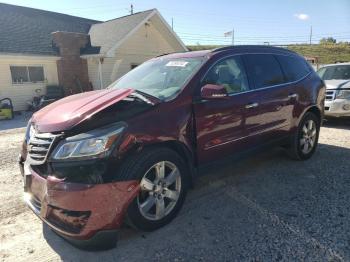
(88, 215)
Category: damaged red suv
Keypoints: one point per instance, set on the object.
(129, 153)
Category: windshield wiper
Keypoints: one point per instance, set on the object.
(147, 98)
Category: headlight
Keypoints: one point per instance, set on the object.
(88, 145)
(343, 94)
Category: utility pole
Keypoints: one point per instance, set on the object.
(310, 34)
(172, 23)
(131, 9)
(233, 36)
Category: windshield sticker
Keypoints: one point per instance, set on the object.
(177, 63)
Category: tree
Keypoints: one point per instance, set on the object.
(328, 40)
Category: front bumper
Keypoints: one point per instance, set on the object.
(337, 107)
(80, 213)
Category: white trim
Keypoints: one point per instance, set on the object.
(100, 73)
(91, 56)
(9, 55)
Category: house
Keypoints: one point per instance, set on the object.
(40, 48)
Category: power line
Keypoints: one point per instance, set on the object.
(339, 34)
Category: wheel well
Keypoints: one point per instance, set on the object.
(183, 152)
(315, 110)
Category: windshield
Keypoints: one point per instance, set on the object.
(335, 72)
(162, 77)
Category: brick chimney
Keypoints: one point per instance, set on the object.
(72, 69)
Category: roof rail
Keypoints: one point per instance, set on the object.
(163, 54)
(231, 47)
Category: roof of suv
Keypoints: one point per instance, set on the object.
(238, 49)
(336, 64)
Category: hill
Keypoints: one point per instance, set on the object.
(326, 54)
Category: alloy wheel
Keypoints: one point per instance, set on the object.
(160, 190)
(308, 136)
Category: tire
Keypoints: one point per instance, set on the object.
(159, 200)
(304, 141)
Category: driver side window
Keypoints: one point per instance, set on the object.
(230, 74)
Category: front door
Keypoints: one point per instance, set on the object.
(220, 122)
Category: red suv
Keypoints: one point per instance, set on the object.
(129, 153)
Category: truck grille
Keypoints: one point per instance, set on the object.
(39, 147)
(330, 95)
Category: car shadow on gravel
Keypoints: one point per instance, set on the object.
(265, 207)
(338, 123)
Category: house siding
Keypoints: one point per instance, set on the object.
(146, 43)
(21, 93)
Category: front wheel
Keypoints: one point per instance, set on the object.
(305, 140)
(163, 177)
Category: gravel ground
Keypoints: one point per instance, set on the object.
(264, 208)
(19, 121)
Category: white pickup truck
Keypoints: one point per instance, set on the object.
(337, 80)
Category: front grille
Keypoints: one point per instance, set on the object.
(330, 95)
(39, 147)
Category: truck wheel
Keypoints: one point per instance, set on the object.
(163, 177)
(304, 141)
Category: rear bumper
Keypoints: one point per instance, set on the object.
(80, 213)
(337, 108)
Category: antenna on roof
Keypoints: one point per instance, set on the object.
(131, 9)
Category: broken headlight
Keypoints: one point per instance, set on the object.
(95, 144)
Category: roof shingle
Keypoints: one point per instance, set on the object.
(28, 31)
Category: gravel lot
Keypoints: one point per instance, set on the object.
(264, 208)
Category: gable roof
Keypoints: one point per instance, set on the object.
(107, 34)
(28, 31)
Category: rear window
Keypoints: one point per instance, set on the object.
(294, 68)
(264, 70)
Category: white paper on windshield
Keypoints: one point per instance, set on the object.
(177, 63)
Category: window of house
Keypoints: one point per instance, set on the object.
(265, 70)
(27, 74)
(230, 74)
(294, 68)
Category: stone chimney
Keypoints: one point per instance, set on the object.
(72, 69)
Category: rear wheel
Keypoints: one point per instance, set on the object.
(163, 185)
(304, 141)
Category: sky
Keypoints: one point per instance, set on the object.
(206, 22)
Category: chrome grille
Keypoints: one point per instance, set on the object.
(39, 147)
(330, 95)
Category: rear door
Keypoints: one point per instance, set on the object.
(296, 70)
(220, 123)
(270, 111)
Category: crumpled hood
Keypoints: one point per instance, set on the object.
(335, 84)
(67, 112)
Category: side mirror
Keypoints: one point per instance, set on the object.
(210, 91)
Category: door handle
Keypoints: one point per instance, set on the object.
(293, 96)
(251, 105)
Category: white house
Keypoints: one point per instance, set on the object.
(40, 48)
(127, 42)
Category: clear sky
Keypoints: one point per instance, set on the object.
(205, 21)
